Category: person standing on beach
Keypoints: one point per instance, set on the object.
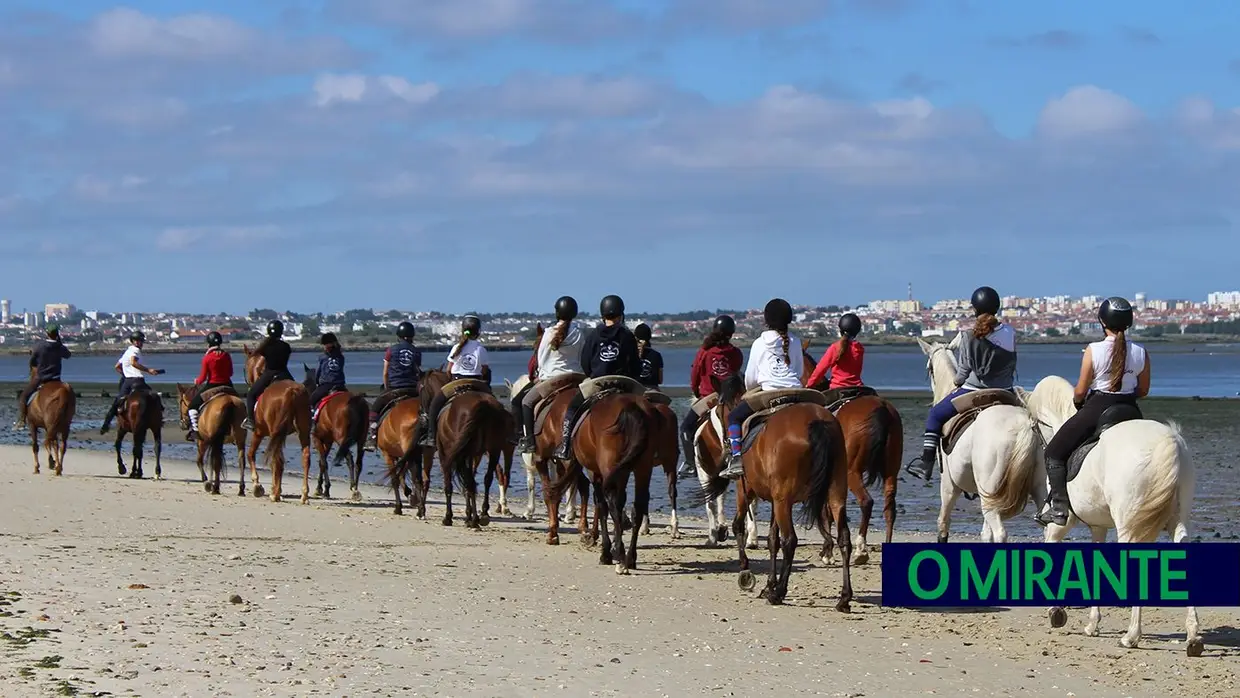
(651, 374)
(468, 359)
(217, 372)
(558, 360)
(133, 376)
(275, 352)
(844, 359)
(45, 359)
(719, 358)
(402, 369)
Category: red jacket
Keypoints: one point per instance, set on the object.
(720, 362)
(216, 368)
(846, 364)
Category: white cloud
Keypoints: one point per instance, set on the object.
(330, 88)
(124, 32)
(183, 238)
(1087, 111)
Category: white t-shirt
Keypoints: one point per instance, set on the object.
(1100, 354)
(469, 360)
(131, 355)
(566, 359)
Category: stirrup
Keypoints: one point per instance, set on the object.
(1047, 516)
(734, 469)
(918, 468)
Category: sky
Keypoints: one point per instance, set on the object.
(492, 155)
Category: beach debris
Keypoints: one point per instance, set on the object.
(138, 586)
(234, 599)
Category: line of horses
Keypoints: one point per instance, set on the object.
(800, 448)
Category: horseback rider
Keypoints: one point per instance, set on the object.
(985, 359)
(133, 376)
(217, 372)
(609, 350)
(772, 366)
(467, 360)
(844, 359)
(329, 378)
(1114, 371)
(45, 359)
(651, 374)
(559, 354)
(719, 358)
(275, 352)
(402, 369)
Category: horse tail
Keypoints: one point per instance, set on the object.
(878, 431)
(1019, 466)
(486, 413)
(633, 425)
(1168, 461)
(822, 449)
(215, 445)
(359, 422)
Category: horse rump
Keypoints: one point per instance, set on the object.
(822, 444)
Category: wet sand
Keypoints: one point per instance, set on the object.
(123, 586)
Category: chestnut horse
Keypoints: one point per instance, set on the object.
(283, 408)
(668, 456)
(874, 436)
(709, 460)
(219, 421)
(141, 411)
(51, 410)
(545, 444)
(619, 437)
(395, 439)
(797, 458)
(342, 422)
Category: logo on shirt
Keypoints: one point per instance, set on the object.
(721, 368)
(467, 363)
(647, 369)
(404, 357)
(609, 351)
(779, 367)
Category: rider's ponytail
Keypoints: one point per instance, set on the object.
(642, 346)
(783, 335)
(561, 331)
(714, 339)
(986, 323)
(1117, 363)
(465, 337)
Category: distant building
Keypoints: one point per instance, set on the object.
(6, 309)
(56, 311)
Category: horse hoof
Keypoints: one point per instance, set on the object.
(774, 600)
(621, 569)
(305, 499)
(553, 540)
(942, 539)
(746, 581)
(1129, 644)
(259, 492)
(484, 520)
(356, 496)
(843, 606)
(1058, 617)
(206, 487)
(447, 521)
(215, 490)
(861, 558)
(1196, 647)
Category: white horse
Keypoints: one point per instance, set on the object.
(1139, 480)
(998, 457)
(531, 473)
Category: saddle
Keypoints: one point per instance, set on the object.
(543, 407)
(596, 390)
(399, 396)
(325, 400)
(838, 397)
(968, 407)
(1115, 414)
(767, 402)
(211, 393)
(454, 389)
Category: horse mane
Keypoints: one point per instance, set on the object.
(1052, 400)
(942, 360)
(731, 389)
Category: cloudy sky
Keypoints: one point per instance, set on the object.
(494, 154)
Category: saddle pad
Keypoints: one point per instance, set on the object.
(211, 393)
(838, 397)
(702, 405)
(327, 398)
(611, 384)
(969, 406)
(761, 400)
(1116, 414)
(464, 385)
(395, 401)
(543, 407)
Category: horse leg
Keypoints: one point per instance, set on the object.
(158, 432)
(673, 528)
(527, 461)
(505, 476)
(428, 460)
(772, 546)
(837, 502)
(202, 452)
(552, 503)
(447, 489)
(1132, 638)
(120, 463)
(641, 508)
(788, 546)
(355, 471)
(745, 580)
(62, 445)
(252, 457)
(948, 493)
(34, 446)
(487, 479)
(600, 509)
(713, 524)
(1179, 533)
(583, 494)
(866, 503)
(324, 487)
(889, 503)
(139, 441)
(1057, 615)
(239, 441)
(616, 506)
(395, 481)
(827, 554)
(752, 541)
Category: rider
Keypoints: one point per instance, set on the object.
(275, 352)
(985, 359)
(846, 357)
(559, 354)
(609, 350)
(329, 378)
(1114, 371)
(402, 368)
(772, 366)
(132, 376)
(719, 358)
(651, 374)
(45, 359)
(468, 359)
(217, 372)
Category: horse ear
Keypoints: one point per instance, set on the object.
(804, 344)
(926, 348)
(303, 365)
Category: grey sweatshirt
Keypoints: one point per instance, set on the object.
(987, 363)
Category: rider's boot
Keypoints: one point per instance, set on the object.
(1056, 510)
(923, 467)
(736, 466)
(192, 435)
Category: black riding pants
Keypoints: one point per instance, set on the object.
(322, 391)
(1082, 425)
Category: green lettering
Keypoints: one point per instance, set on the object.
(1102, 568)
(1143, 578)
(1015, 575)
(971, 577)
(1166, 575)
(1073, 575)
(1038, 576)
(944, 575)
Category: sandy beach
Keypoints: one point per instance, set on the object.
(120, 587)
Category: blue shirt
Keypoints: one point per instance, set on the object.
(404, 365)
(331, 370)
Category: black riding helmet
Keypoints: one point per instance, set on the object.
(565, 308)
(214, 339)
(1115, 314)
(642, 332)
(778, 314)
(985, 300)
(471, 326)
(405, 330)
(275, 328)
(725, 325)
(611, 307)
(850, 325)
(137, 336)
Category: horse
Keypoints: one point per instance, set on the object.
(798, 457)
(1138, 479)
(142, 410)
(668, 456)
(998, 457)
(219, 421)
(343, 421)
(51, 409)
(283, 408)
(528, 460)
(395, 439)
(709, 445)
(619, 436)
(874, 438)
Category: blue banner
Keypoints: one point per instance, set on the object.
(1061, 574)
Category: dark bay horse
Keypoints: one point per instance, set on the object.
(395, 439)
(797, 458)
(342, 422)
(545, 444)
(667, 455)
(141, 411)
(283, 408)
(619, 437)
(874, 436)
(51, 410)
(219, 422)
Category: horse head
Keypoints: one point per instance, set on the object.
(730, 390)
(940, 366)
(312, 377)
(185, 393)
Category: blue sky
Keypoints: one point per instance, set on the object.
(495, 154)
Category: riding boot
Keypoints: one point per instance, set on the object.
(428, 432)
(923, 467)
(107, 419)
(688, 463)
(736, 465)
(527, 444)
(564, 452)
(193, 426)
(1056, 510)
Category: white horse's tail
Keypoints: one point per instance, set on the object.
(1169, 470)
(1019, 466)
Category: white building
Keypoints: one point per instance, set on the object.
(6, 310)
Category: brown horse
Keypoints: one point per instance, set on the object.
(874, 436)
(668, 456)
(218, 423)
(545, 444)
(283, 408)
(395, 439)
(141, 411)
(795, 459)
(619, 437)
(342, 422)
(51, 410)
(710, 453)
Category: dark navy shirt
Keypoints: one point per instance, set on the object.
(331, 370)
(651, 365)
(610, 351)
(45, 358)
(404, 365)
